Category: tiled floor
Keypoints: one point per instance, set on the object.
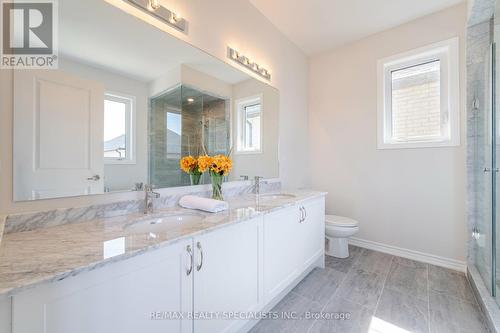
(382, 294)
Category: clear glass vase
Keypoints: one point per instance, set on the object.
(217, 186)
(195, 178)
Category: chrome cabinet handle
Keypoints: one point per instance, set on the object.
(301, 214)
(94, 178)
(305, 212)
(190, 252)
(485, 170)
(198, 267)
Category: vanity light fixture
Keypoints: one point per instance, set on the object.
(155, 9)
(244, 61)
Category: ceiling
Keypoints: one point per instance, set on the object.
(319, 25)
(99, 34)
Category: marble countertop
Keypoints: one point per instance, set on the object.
(51, 254)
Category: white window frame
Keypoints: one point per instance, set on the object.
(130, 123)
(447, 52)
(240, 108)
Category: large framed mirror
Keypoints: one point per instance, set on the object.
(126, 103)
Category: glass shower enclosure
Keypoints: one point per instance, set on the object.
(184, 121)
(482, 141)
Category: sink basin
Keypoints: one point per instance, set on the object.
(275, 196)
(163, 223)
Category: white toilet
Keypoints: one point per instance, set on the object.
(338, 230)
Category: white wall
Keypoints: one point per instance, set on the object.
(212, 26)
(263, 164)
(409, 198)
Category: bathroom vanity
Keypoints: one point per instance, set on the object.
(125, 104)
(114, 274)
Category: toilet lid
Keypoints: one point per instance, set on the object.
(340, 221)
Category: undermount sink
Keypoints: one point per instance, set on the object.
(163, 223)
(275, 196)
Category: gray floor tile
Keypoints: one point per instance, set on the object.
(403, 311)
(343, 317)
(355, 286)
(373, 261)
(453, 315)
(344, 265)
(450, 282)
(320, 285)
(291, 304)
(409, 277)
(361, 287)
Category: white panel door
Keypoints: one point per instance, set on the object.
(313, 231)
(141, 294)
(230, 276)
(282, 250)
(58, 135)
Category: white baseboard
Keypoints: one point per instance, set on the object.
(410, 254)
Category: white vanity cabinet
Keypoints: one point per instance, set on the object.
(201, 284)
(5, 315)
(229, 277)
(119, 297)
(312, 230)
(282, 251)
(293, 241)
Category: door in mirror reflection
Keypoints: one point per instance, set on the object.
(58, 126)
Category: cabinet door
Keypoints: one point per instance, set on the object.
(282, 251)
(229, 276)
(5, 315)
(128, 296)
(312, 231)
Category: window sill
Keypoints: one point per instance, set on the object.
(248, 152)
(416, 145)
(119, 162)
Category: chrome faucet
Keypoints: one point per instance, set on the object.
(149, 195)
(258, 182)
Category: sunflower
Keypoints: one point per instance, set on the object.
(204, 163)
(189, 164)
(221, 164)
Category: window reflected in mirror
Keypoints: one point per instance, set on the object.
(250, 125)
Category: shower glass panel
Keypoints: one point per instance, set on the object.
(482, 142)
(482, 115)
(184, 121)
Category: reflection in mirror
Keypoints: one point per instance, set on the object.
(127, 102)
(184, 121)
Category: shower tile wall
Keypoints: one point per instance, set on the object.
(164, 145)
(215, 113)
(478, 147)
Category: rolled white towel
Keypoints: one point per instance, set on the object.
(208, 205)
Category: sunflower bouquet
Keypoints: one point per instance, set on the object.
(189, 165)
(218, 166)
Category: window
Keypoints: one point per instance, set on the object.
(119, 129)
(419, 98)
(174, 135)
(249, 134)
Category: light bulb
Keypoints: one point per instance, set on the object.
(174, 17)
(154, 4)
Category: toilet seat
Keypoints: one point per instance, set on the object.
(340, 221)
